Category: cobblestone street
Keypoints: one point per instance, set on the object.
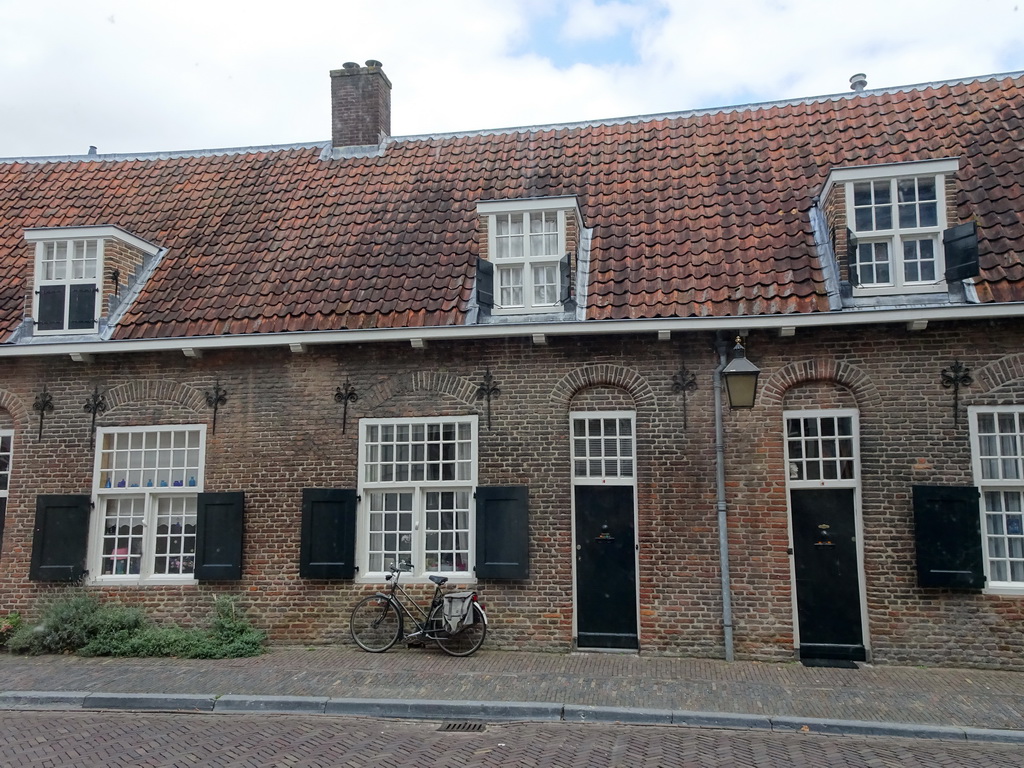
(31, 739)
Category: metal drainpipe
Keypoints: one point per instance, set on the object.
(723, 529)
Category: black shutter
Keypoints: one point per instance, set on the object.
(219, 536)
(484, 284)
(3, 518)
(51, 308)
(60, 539)
(328, 543)
(961, 249)
(947, 526)
(502, 533)
(565, 274)
(82, 308)
(851, 257)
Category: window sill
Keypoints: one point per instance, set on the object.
(122, 581)
(1007, 591)
(406, 580)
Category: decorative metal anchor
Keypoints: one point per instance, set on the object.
(96, 404)
(345, 396)
(956, 376)
(487, 389)
(215, 400)
(683, 382)
(43, 404)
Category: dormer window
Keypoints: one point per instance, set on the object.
(527, 253)
(75, 268)
(898, 223)
(67, 273)
(892, 221)
(527, 248)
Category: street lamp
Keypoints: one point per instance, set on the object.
(740, 377)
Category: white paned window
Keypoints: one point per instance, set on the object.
(67, 282)
(527, 248)
(998, 447)
(603, 446)
(6, 443)
(146, 485)
(821, 448)
(417, 478)
(898, 224)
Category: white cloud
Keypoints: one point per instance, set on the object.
(130, 76)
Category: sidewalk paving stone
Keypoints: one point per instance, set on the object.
(578, 686)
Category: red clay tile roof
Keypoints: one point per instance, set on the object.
(695, 214)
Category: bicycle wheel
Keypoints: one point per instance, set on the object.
(375, 624)
(466, 641)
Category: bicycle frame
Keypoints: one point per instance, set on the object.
(401, 599)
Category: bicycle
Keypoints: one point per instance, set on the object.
(378, 621)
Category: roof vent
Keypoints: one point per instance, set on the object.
(858, 82)
(92, 150)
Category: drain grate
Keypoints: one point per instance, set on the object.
(463, 727)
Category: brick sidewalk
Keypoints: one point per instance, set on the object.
(947, 697)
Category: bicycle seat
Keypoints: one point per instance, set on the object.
(439, 580)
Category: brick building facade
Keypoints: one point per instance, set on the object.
(579, 370)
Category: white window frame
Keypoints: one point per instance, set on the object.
(601, 453)
(528, 264)
(5, 487)
(1011, 485)
(150, 497)
(70, 245)
(893, 237)
(419, 489)
(850, 480)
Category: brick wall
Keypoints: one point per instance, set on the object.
(280, 431)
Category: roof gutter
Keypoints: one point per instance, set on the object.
(784, 324)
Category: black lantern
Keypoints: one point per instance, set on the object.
(740, 377)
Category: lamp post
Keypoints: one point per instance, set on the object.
(740, 377)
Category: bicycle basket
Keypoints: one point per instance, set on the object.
(458, 610)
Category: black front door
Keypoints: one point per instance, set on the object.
(605, 567)
(827, 574)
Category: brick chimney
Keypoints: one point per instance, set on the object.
(360, 104)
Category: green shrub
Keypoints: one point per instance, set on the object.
(8, 626)
(80, 623)
(66, 626)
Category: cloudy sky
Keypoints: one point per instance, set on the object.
(138, 75)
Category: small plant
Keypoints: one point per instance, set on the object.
(80, 623)
(65, 626)
(8, 626)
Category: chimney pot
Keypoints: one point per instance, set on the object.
(92, 150)
(858, 82)
(360, 104)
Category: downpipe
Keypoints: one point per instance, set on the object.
(721, 346)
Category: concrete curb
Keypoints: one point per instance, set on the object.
(292, 705)
(42, 699)
(492, 711)
(160, 702)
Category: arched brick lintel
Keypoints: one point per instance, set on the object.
(1005, 370)
(857, 381)
(155, 390)
(19, 413)
(422, 381)
(603, 374)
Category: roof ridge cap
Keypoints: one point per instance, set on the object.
(753, 106)
(650, 117)
(166, 155)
